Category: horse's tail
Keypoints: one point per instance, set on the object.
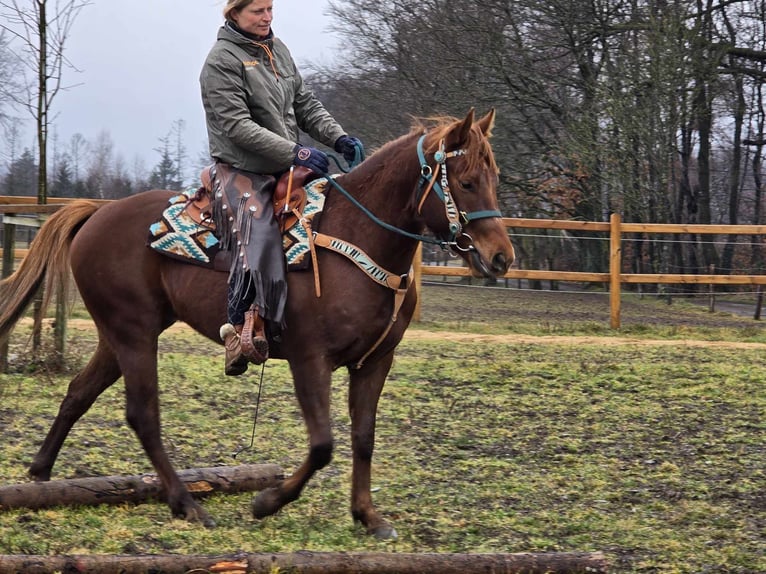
(47, 260)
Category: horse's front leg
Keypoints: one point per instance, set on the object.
(139, 367)
(312, 389)
(364, 392)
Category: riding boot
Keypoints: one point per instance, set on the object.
(236, 362)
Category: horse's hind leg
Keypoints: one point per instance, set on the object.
(366, 385)
(101, 372)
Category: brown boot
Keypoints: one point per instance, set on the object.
(236, 362)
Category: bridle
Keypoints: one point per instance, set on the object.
(428, 182)
(457, 219)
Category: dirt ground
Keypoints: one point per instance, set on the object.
(415, 335)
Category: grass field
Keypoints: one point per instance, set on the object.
(512, 422)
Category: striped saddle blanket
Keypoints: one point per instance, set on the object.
(186, 231)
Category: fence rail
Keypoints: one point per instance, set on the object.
(614, 277)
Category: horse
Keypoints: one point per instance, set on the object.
(440, 176)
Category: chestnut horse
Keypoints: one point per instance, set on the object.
(441, 176)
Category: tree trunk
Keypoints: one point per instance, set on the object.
(42, 104)
(120, 489)
(314, 563)
(756, 256)
(727, 259)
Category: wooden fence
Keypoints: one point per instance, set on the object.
(17, 211)
(614, 277)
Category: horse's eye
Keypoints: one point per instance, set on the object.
(466, 185)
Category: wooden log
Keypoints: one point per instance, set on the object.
(314, 563)
(138, 488)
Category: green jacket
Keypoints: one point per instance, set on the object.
(255, 103)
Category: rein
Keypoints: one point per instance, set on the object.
(380, 222)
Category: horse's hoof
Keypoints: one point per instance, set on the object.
(196, 515)
(384, 532)
(208, 522)
(39, 475)
(266, 503)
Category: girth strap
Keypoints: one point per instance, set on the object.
(399, 295)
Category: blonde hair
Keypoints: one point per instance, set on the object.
(233, 6)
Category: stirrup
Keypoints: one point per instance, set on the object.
(253, 341)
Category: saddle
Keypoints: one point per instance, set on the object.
(288, 200)
(189, 228)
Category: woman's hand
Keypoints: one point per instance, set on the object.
(312, 158)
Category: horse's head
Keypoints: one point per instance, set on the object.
(457, 196)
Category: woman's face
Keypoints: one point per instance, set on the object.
(255, 18)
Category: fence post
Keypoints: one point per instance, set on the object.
(615, 269)
(417, 266)
(9, 241)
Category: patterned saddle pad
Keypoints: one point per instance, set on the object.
(180, 235)
(186, 232)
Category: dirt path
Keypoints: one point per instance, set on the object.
(416, 335)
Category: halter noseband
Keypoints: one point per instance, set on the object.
(457, 219)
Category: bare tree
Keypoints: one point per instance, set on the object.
(41, 35)
(100, 169)
(9, 72)
(78, 147)
(177, 132)
(12, 140)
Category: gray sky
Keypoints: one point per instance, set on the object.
(140, 63)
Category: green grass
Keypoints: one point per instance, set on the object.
(576, 313)
(652, 454)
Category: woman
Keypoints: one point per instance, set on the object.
(255, 104)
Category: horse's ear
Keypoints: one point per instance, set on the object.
(462, 130)
(487, 123)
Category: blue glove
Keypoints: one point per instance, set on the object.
(348, 146)
(312, 158)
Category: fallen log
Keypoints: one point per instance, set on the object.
(314, 563)
(138, 488)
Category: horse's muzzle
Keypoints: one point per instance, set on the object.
(495, 267)
(501, 262)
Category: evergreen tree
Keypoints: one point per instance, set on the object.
(63, 182)
(21, 178)
(165, 174)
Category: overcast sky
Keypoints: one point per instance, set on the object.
(139, 63)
